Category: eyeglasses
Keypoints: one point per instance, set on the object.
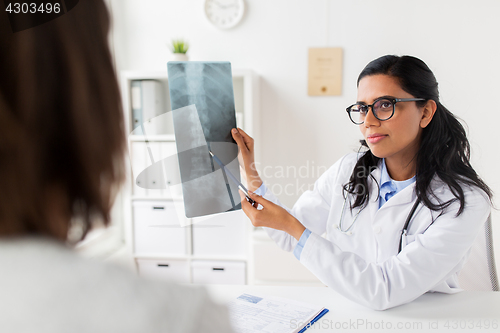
(382, 108)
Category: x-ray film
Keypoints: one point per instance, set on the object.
(202, 100)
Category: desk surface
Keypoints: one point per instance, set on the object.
(467, 311)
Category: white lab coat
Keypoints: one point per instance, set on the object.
(365, 266)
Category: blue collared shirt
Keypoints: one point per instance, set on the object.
(388, 189)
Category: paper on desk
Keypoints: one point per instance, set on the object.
(250, 313)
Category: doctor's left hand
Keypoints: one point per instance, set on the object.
(271, 215)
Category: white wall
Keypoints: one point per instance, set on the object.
(458, 39)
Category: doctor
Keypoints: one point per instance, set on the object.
(400, 216)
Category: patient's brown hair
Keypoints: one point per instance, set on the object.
(62, 136)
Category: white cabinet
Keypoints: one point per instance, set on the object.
(164, 243)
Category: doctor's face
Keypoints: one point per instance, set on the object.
(397, 138)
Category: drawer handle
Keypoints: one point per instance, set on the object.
(158, 207)
(162, 265)
(218, 269)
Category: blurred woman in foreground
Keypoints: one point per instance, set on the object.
(62, 145)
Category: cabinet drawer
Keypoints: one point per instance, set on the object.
(221, 234)
(155, 169)
(157, 229)
(170, 164)
(139, 162)
(218, 272)
(164, 269)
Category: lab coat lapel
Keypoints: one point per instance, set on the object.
(407, 195)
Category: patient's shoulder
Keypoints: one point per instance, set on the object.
(51, 282)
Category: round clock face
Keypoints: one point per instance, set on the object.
(224, 13)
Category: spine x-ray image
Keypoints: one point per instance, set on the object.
(202, 100)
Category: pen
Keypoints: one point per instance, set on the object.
(240, 185)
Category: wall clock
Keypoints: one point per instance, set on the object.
(224, 14)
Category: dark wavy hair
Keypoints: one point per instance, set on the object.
(62, 134)
(444, 150)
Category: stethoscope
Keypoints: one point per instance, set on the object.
(404, 231)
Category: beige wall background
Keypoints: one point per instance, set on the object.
(459, 40)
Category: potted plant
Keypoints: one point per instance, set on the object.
(179, 49)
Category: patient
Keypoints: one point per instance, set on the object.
(62, 147)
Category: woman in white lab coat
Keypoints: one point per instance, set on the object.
(413, 171)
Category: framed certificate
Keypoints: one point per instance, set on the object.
(325, 71)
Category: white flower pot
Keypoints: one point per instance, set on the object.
(180, 57)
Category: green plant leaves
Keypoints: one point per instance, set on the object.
(179, 46)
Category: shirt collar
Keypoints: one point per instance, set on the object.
(391, 185)
(375, 189)
(385, 180)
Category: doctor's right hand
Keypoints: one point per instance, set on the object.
(246, 157)
(270, 215)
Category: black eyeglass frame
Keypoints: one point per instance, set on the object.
(392, 99)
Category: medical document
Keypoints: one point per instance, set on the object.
(251, 313)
